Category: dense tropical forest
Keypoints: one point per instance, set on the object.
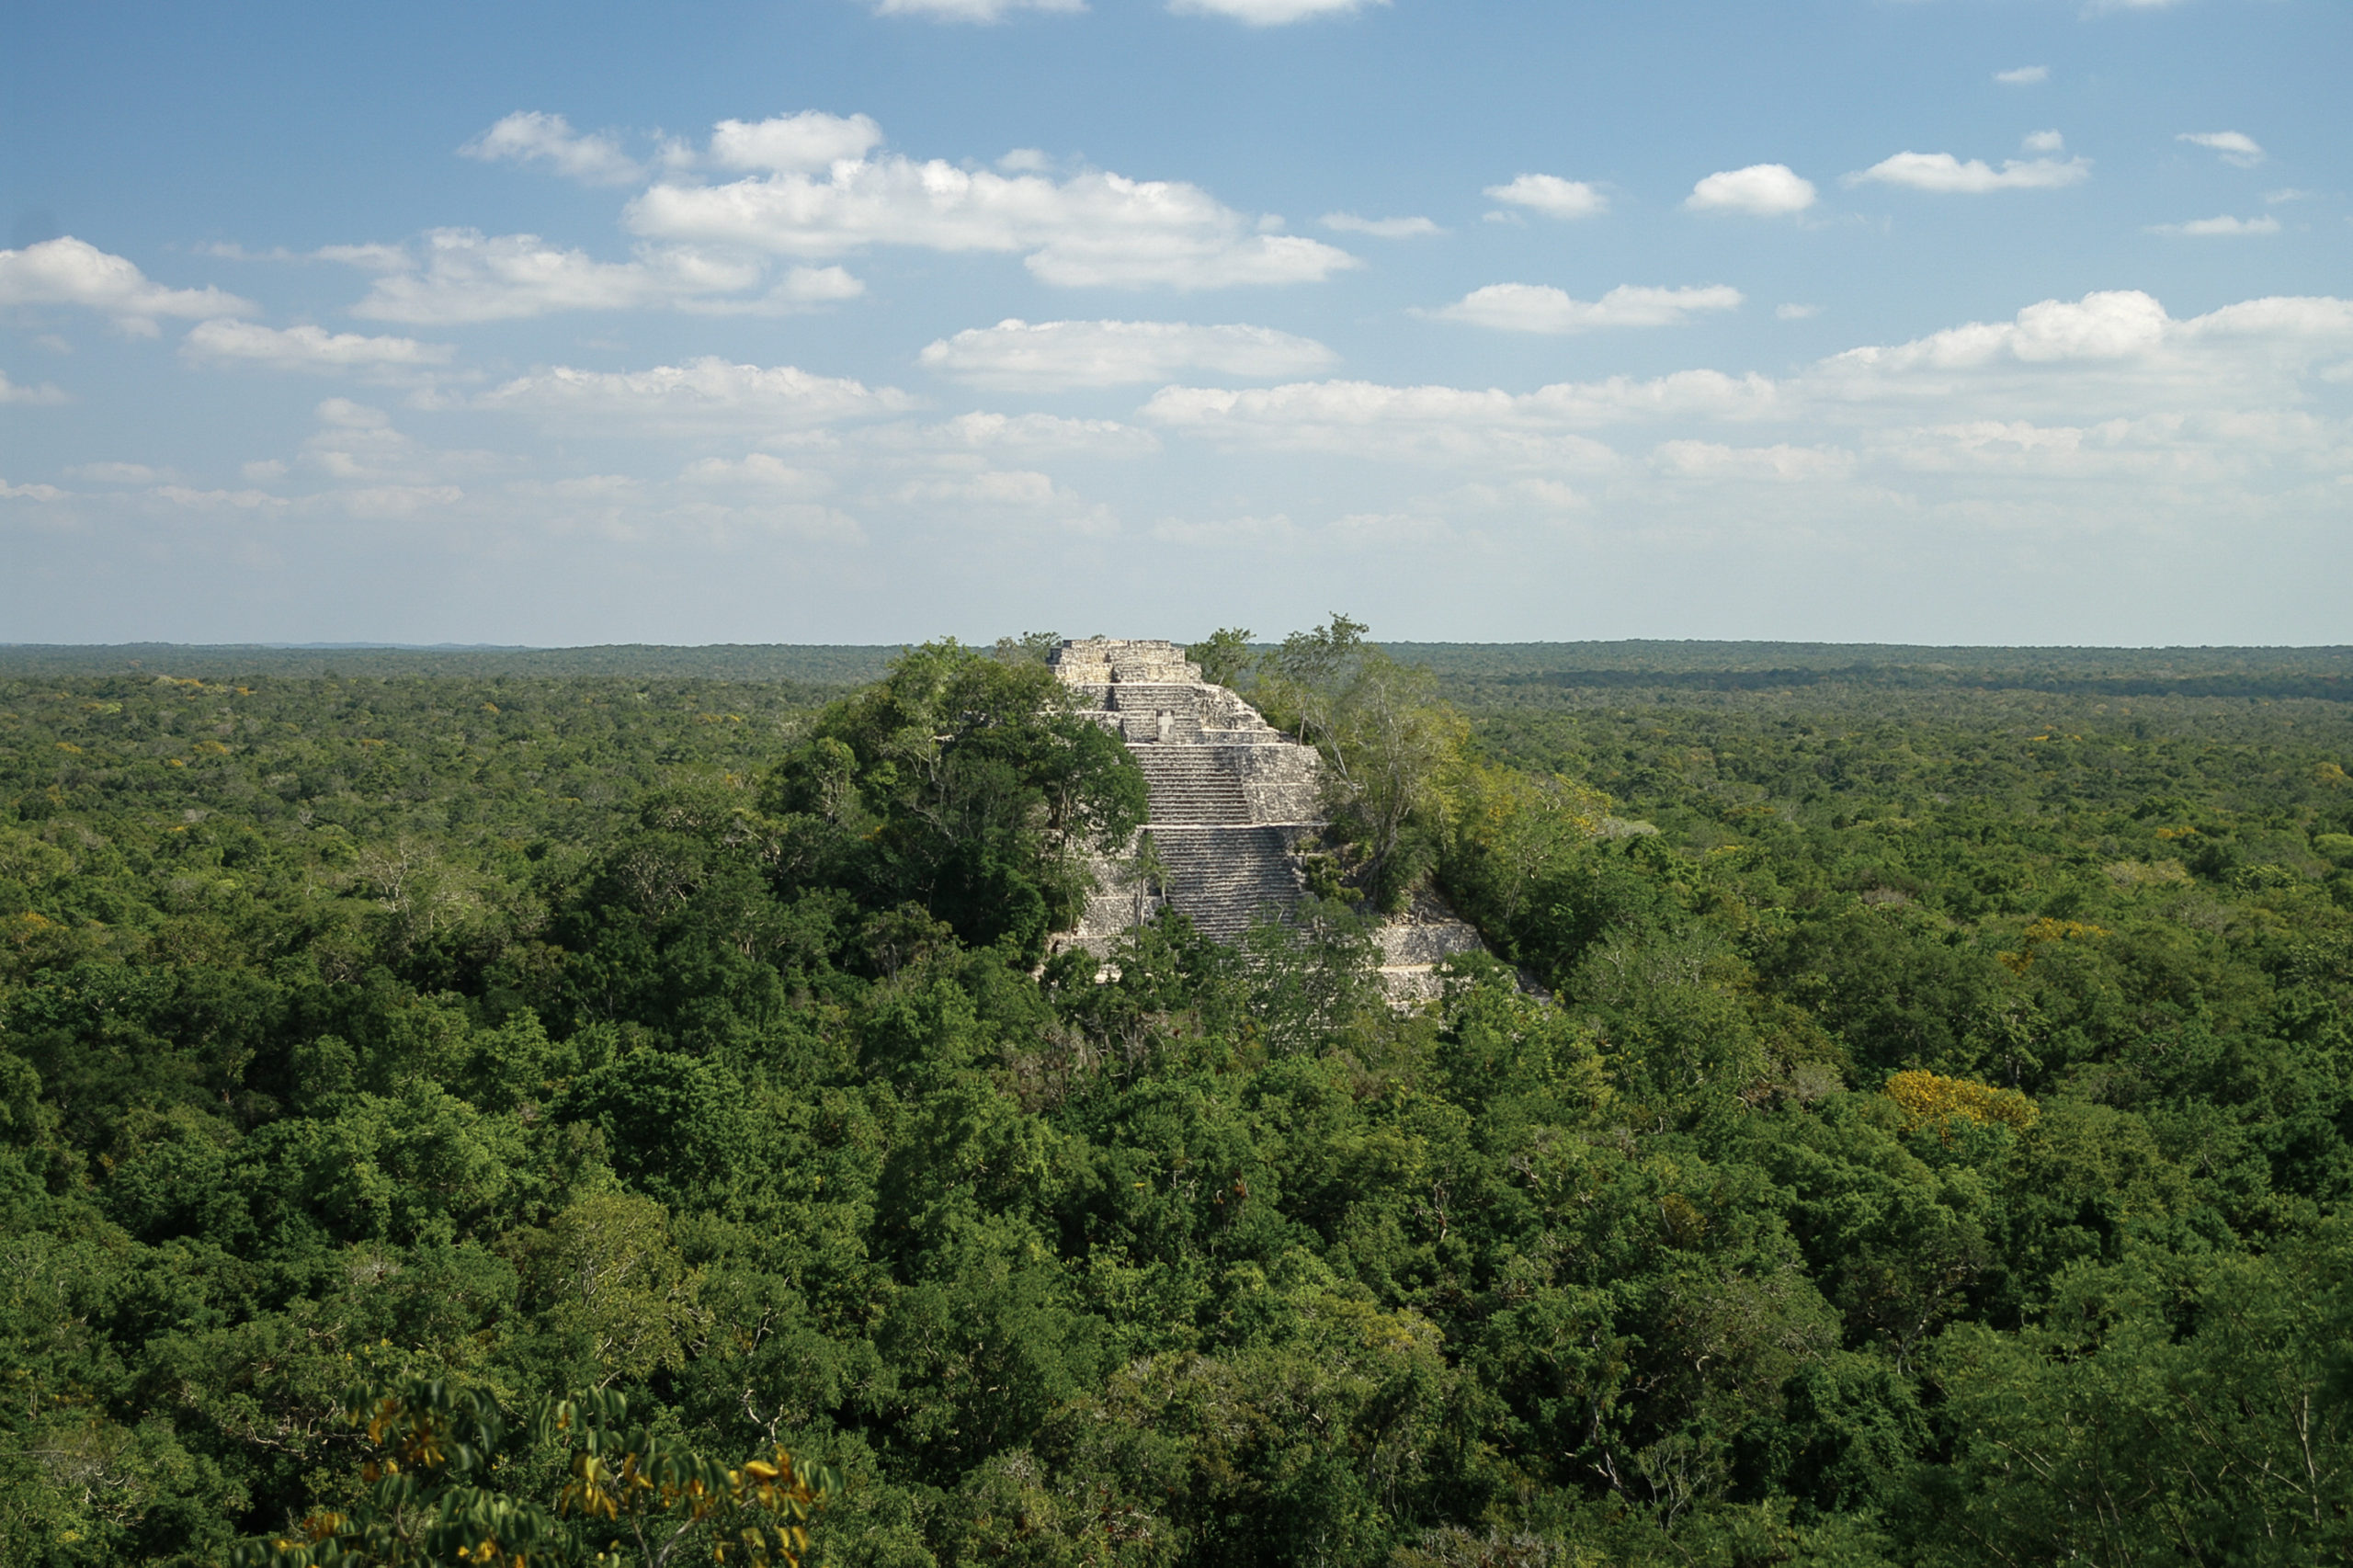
(492, 1104)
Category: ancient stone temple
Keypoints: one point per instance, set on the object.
(1234, 802)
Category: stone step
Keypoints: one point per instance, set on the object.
(1189, 787)
(1131, 695)
(1145, 729)
(1224, 878)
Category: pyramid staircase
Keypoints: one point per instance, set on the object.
(1232, 800)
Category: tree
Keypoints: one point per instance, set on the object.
(1386, 741)
(2170, 1409)
(442, 1484)
(971, 788)
(1225, 655)
(1030, 647)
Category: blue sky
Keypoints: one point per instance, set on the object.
(872, 320)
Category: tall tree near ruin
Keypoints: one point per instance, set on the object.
(1386, 739)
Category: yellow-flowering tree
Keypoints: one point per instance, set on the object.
(2047, 930)
(437, 1494)
(1931, 1100)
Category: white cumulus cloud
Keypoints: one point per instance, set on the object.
(699, 396)
(1095, 229)
(1553, 195)
(2114, 325)
(68, 271)
(1766, 190)
(1943, 173)
(1530, 307)
(1270, 13)
(1541, 430)
(309, 348)
(2236, 147)
(1024, 356)
(2223, 409)
(531, 137)
(467, 275)
(793, 143)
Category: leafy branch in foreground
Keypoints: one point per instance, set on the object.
(437, 1491)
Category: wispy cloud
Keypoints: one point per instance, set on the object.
(2024, 77)
(971, 10)
(1380, 228)
(529, 136)
(1094, 228)
(467, 275)
(2209, 227)
(2236, 147)
(12, 391)
(1946, 174)
(309, 348)
(1271, 13)
(1025, 356)
(1527, 307)
(697, 397)
(118, 473)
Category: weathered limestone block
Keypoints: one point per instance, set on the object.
(1414, 943)
(1282, 782)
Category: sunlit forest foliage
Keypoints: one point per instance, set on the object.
(1909, 1119)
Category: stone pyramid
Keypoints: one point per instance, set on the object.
(1234, 802)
